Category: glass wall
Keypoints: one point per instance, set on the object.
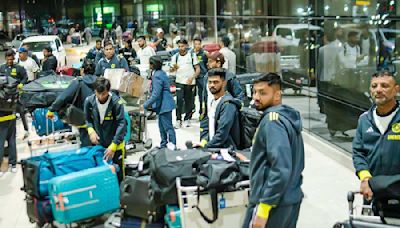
(326, 51)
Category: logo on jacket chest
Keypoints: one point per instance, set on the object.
(396, 131)
(14, 72)
(109, 116)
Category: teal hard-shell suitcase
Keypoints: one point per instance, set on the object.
(84, 194)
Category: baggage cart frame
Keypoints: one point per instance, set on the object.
(232, 214)
(54, 142)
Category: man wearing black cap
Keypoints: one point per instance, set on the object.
(49, 61)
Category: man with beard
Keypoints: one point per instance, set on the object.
(223, 115)
(110, 60)
(145, 52)
(106, 123)
(277, 159)
(376, 146)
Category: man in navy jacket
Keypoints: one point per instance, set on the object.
(223, 115)
(161, 101)
(277, 160)
(376, 146)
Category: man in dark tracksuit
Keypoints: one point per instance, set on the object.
(277, 160)
(19, 73)
(161, 101)
(376, 146)
(50, 61)
(223, 115)
(92, 53)
(85, 87)
(202, 59)
(106, 123)
(8, 125)
(216, 60)
(110, 60)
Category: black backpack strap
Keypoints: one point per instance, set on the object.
(77, 92)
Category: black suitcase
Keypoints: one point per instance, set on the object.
(137, 200)
(39, 211)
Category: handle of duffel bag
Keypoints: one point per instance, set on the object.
(214, 202)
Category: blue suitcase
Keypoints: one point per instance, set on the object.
(44, 126)
(85, 194)
(128, 127)
(37, 171)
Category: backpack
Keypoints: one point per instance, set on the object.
(249, 121)
(191, 56)
(8, 93)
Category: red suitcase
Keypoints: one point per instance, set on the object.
(210, 48)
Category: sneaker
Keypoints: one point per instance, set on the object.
(187, 123)
(178, 124)
(12, 168)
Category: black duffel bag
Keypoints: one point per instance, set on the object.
(166, 165)
(386, 198)
(216, 176)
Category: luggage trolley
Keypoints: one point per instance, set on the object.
(53, 142)
(364, 218)
(232, 206)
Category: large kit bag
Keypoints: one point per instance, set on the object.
(42, 92)
(8, 93)
(137, 200)
(37, 171)
(84, 194)
(385, 202)
(44, 126)
(166, 165)
(39, 210)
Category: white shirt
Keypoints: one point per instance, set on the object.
(186, 65)
(365, 46)
(30, 66)
(348, 56)
(211, 116)
(103, 107)
(144, 55)
(230, 59)
(382, 122)
(176, 39)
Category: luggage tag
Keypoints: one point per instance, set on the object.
(222, 202)
(226, 156)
